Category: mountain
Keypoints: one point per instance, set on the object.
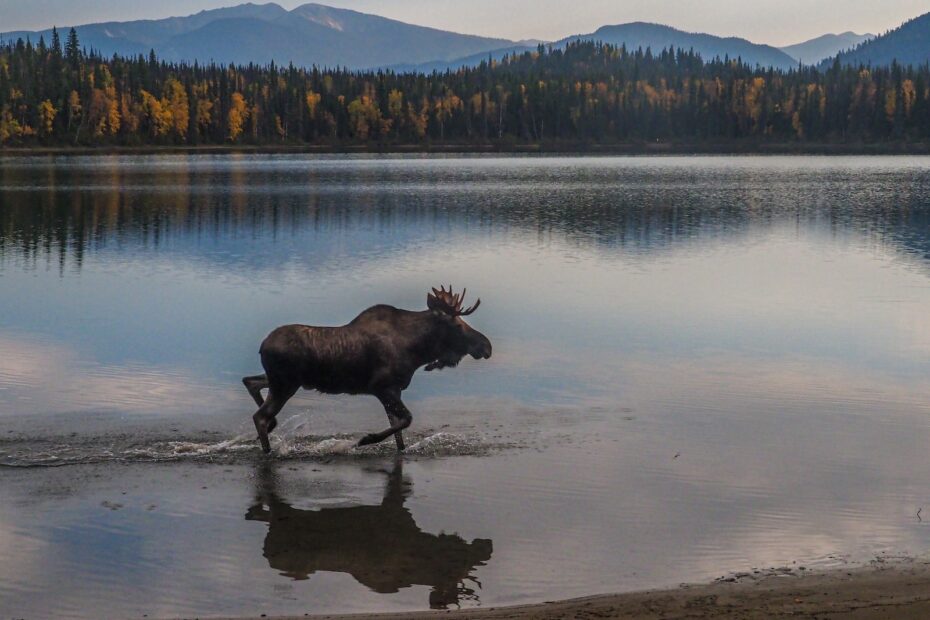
(909, 44)
(310, 34)
(638, 35)
(657, 37)
(826, 46)
(140, 36)
(315, 34)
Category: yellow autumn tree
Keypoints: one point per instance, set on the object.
(129, 114)
(74, 109)
(364, 117)
(114, 118)
(46, 113)
(418, 117)
(444, 108)
(238, 112)
(177, 108)
(97, 112)
(155, 115)
(891, 104)
(396, 108)
(313, 100)
(9, 126)
(476, 104)
(203, 114)
(754, 99)
(908, 96)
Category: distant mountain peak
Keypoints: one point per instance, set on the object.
(263, 10)
(636, 35)
(825, 46)
(850, 33)
(319, 14)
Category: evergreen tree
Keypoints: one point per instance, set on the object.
(73, 50)
(56, 42)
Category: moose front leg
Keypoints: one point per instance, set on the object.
(399, 435)
(400, 419)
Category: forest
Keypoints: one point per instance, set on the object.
(57, 94)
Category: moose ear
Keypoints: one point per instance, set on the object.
(432, 302)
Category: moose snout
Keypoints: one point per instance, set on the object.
(482, 350)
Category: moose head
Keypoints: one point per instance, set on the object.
(458, 337)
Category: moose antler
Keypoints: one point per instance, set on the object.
(448, 302)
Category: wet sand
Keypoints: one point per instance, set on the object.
(900, 591)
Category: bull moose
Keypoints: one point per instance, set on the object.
(377, 354)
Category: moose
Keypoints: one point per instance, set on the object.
(376, 354)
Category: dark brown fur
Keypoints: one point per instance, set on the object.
(377, 354)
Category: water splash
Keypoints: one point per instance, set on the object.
(291, 444)
(441, 443)
(182, 449)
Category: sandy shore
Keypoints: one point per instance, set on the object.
(898, 591)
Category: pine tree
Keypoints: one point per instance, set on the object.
(73, 50)
(56, 42)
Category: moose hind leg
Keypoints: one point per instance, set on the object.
(264, 418)
(255, 385)
(400, 419)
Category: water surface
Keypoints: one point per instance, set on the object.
(701, 365)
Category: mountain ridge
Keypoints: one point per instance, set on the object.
(314, 34)
(908, 44)
(639, 35)
(813, 51)
(644, 35)
(310, 34)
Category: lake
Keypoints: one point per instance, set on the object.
(702, 365)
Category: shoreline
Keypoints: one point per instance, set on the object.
(883, 589)
(922, 148)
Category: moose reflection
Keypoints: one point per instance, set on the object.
(380, 546)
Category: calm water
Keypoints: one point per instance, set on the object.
(701, 365)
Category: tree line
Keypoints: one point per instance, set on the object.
(55, 94)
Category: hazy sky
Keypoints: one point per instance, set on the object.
(779, 23)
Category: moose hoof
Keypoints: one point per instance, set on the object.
(261, 425)
(368, 440)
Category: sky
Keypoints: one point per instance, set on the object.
(776, 23)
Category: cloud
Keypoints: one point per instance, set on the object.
(37, 376)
